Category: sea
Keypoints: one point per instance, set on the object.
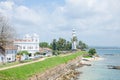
(99, 69)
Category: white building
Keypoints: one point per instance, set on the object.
(29, 43)
(10, 53)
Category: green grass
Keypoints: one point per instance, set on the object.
(87, 57)
(26, 71)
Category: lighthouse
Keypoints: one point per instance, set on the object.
(74, 40)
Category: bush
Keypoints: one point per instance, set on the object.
(56, 52)
(92, 51)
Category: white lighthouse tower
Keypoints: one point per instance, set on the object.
(74, 40)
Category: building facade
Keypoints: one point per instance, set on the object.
(10, 54)
(29, 43)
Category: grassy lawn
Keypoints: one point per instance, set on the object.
(26, 71)
(87, 57)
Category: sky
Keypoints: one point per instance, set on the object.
(97, 22)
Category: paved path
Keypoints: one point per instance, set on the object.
(22, 64)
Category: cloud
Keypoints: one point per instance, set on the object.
(26, 15)
(8, 5)
(6, 8)
(91, 18)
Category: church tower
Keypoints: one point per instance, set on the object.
(74, 40)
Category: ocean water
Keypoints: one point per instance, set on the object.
(99, 69)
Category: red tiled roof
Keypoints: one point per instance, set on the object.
(44, 49)
(22, 40)
(11, 47)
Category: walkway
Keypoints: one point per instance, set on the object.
(22, 64)
(4, 68)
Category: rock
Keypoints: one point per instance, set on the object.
(66, 71)
(113, 67)
(88, 64)
(116, 67)
(85, 59)
(109, 54)
(79, 65)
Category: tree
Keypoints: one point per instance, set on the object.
(68, 45)
(82, 45)
(92, 51)
(61, 44)
(43, 44)
(21, 53)
(74, 39)
(54, 44)
(6, 35)
(37, 53)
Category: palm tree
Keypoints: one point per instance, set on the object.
(74, 39)
(21, 53)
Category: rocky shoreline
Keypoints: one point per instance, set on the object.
(65, 71)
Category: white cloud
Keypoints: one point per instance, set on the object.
(8, 5)
(91, 18)
(6, 8)
(23, 13)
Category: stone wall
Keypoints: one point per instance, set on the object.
(59, 72)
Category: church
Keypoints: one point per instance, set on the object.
(29, 43)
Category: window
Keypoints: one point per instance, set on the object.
(9, 59)
(27, 47)
(36, 47)
(15, 51)
(36, 40)
(23, 47)
(7, 51)
(31, 47)
(12, 51)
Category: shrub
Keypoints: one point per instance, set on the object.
(92, 51)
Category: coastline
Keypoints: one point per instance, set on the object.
(73, 75)
(104, 68)
(64, 71)
(67, 71)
